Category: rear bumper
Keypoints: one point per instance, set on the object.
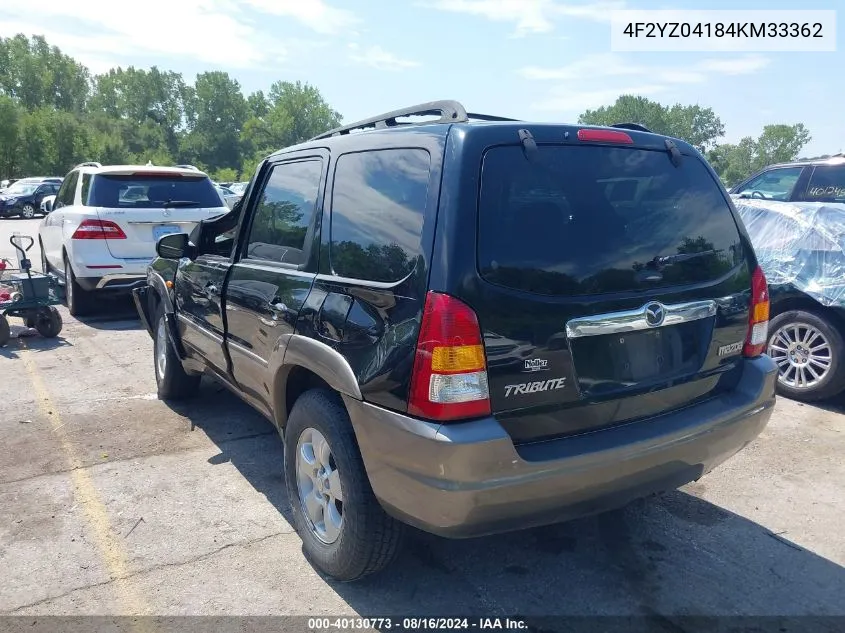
(469, 479)
(118, 282)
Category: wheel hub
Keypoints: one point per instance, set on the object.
(318, 485)
(802, 354)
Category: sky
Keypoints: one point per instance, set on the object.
(542, 60)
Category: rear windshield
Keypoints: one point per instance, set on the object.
(589, 220)
(152, 192)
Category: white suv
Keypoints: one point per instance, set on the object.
(105, 223)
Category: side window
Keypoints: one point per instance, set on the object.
(827, 184)
(86, 187)
(775, 184)
(284, 212)
(67, 191)
(378, 203)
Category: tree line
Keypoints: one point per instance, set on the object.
(701, 128)
(54, 113)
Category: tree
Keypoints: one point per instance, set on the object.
(221, 109)
(777, 144)
(698, 126)
(10, 134)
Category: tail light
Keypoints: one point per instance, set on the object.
(450, 369)
(98, 230)
(758, 319)
(605, 136)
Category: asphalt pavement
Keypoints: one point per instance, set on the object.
(114, 503)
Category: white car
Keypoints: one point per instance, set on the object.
(105, 222)
(47, 204)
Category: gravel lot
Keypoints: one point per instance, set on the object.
(113, 503)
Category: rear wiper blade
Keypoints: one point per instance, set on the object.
(181, 203)
(665, 260)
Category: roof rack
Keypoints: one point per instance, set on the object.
(631, 126)
(88, 164)
(448, 111)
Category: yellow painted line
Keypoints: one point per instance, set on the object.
(106, 538)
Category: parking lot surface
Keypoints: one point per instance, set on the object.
(112, 502)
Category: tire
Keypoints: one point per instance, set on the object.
(172, 381)
(77, 299)
(818, 345)
(45, 265)
(27, 211)
(48, 322)
(367, 540)
(5, 330)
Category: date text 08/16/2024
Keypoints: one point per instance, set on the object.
(416, 624)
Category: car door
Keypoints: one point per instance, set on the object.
(199, 290)
(826, 184)
(778, 184)
(52, 234)
(275, 269)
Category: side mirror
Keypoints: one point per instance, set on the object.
(175, 246)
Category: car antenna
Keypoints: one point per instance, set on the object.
(674, 152)
(529, 145)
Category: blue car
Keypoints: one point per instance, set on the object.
(24, 198)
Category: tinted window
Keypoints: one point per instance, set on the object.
(67, 191)
(86, 187)
(588, 220)
(827, 184)
(144, 192)
(378, 203)
(776, 184)
(284, 212)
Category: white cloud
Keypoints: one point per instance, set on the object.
(615, 65)
(610, 68)
(528, 16)
(380, 59)
(315, 14)
(563, 99)
(104, 34)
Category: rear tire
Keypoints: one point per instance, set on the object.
(810, 354)
(48, 322)
(365, 540)
(5, 330)
(172, 381)
(77, 299)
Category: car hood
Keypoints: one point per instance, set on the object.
(802, 244)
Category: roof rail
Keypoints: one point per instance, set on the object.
(88, 164)
(449, 111)
(631, 126)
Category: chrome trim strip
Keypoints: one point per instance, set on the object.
(132, 279)
(634, 320)
(164, 221)
(188, 321)
(249, 354)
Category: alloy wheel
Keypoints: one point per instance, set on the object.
(318, 484)
(802, 353)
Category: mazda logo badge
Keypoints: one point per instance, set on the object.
(654, 314)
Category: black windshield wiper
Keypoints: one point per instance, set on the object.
(180, 203)
(665, 260)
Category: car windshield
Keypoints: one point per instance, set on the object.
(21, 189)
(590, 220)
(152, 191)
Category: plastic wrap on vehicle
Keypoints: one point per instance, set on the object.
(799, 243)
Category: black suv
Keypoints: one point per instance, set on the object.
(472, 324)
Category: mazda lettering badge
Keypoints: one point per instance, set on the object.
(654, 314)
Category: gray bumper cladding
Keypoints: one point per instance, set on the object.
(468, 479)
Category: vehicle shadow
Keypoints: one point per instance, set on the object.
(658, 561)
(24, 338)
(112, 313)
